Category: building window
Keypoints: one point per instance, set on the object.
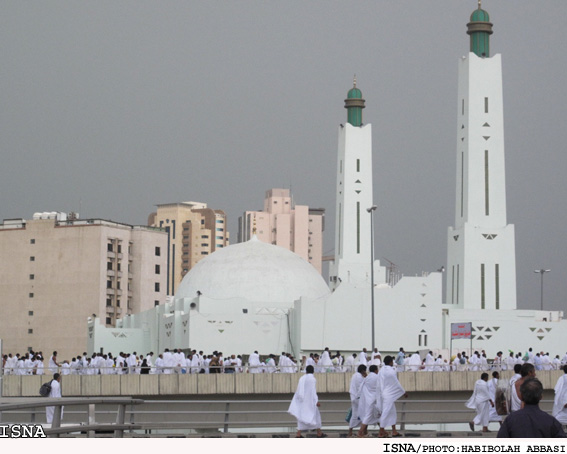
(32, 241)
(204, 253)
(108, 302)
(118, 285)
(30, 331)
(30, 313)
(108, 320)
(485, 105)
(358, 165)
(219, 237)
(204, 244)
(109, 266)
(486, 185)
(117, 303)
(108, 284)
(220, 229)
(482, 296)
(157, 269)
(32, 259)
(156, 286)
(31, 295)
(32, 277)
(156, 303)
(119, 248)
(118, 267)
(220, 221)
(204, 237)
(109, 247)
(158, 251)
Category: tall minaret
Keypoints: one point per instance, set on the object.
(481, 262)
(354, 197)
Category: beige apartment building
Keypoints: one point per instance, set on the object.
(57, 270)
(193, 231)
(297, 228)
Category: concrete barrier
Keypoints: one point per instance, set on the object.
(207, 384)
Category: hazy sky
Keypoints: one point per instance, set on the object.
(111, 107)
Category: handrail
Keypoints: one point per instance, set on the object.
(56, 429)
(196, 415)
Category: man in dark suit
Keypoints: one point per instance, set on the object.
(531, 421)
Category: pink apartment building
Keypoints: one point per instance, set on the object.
(297, 228)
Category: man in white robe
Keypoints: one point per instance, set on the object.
(55, 392)
(510, 361)
(560, 401)
(159, 364)
(556, 363)
(474, 362)
(456, 362)
(439, 365)
(362, 358)
(29, 365)
(514, 403)
(481, 402)
(354, 391)
(305, 404)
(350, 362)
(65, 368)
(270, 364)
(388, 391)
(414, 362)
(168, 362)
(325, 362)
(375, 358)
(429, 362)
(254, 363)
(53, 364)
(367, 404)
(195, 363)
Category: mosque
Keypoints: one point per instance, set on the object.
(257, 296)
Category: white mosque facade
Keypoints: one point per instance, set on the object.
(257, 296)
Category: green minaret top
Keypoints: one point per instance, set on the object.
(480, 29)
(354, 105)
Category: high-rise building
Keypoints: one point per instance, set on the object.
(353, 196)
(194, 231)
(481, 263)
(297, 228)
(56, 270)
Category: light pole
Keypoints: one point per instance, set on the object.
(371, 211)
(541, 273)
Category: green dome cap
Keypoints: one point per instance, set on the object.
(480, 15)
(480, 29)
(354, 103)
(354, 93)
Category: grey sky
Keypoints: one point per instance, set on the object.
(111, 107)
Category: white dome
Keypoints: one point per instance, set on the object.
(254, 270)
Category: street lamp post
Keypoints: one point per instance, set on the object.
(541, 273)
(371, 211)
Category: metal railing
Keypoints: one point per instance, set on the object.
(162, 417)
(89, 426)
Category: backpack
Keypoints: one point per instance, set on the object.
(500, 402)
(45, 389)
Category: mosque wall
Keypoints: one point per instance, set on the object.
(515, 330)
(407, 315)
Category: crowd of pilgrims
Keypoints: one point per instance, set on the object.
(177, 361)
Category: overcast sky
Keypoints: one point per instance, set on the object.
(111, 107)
